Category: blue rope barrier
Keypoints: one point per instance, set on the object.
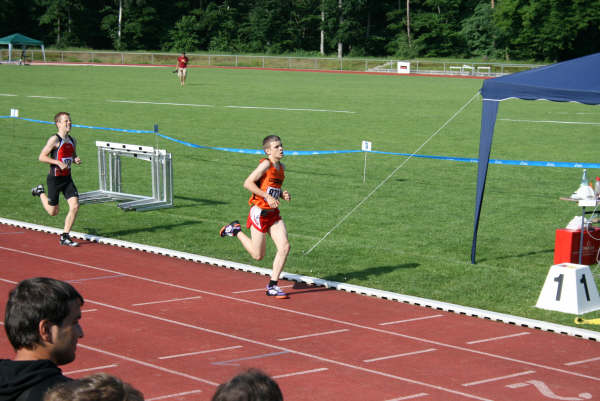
(336, 152)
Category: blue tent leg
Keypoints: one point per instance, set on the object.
(488, 120)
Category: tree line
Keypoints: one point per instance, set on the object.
(536, 30)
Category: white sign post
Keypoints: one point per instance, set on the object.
(569, 288)
(366, 147)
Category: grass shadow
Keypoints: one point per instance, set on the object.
(520, 255)
(366, 273)
(146, 229)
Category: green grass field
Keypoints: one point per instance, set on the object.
(412, 236)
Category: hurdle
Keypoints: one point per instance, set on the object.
(109, 177)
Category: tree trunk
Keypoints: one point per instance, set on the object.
(322, 46)
(58, 31)
(340, 45)
(408, 21)
(120, 20)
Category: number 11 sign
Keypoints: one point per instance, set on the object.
(569, 288)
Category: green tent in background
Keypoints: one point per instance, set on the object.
(16, 39)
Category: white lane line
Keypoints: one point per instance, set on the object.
(114, 365)
(305, 372)
(149, 365)
(160, 103)
(324, 333)
(200, 352)
(493, 379)
(409, 397)
(89, 310)
(162, 397)
(306, 314)
(399, 355)
(259, 289)
(548, 121)
(167, 300)
(498, 338)
(290, 109)
(584, 361)
(48, 97)
(7, 94)
(410, 320)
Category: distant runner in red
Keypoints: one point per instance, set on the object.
(182, 68)
(60, 153)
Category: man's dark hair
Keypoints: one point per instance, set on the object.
(251, 385)
(32, 301)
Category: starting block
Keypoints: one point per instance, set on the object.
(569, 288)
(109, 177)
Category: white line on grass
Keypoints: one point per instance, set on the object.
(339, 223)
(548, 121)
(290, 109)
(48, 97)
(160, 103)
(7, 94)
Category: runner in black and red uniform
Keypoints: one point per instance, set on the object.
(60, 153)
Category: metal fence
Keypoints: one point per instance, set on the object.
(277, 62)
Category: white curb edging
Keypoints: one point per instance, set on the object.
(444, 306)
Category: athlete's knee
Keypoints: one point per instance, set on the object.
(284, 248)
(257, 255)
(52, 210)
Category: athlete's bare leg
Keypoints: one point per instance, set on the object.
(52, 210)
(73, 209)
(278, 232)
(255, 245)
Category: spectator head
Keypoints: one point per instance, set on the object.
(251, 385)
(42, 317)
(98, 387)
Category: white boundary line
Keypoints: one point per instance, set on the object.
(428, 303)
(494, 379)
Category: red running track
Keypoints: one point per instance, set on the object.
(176, 329)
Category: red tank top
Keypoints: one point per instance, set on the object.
(271, 183)
(65, 152)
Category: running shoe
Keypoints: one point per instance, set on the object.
(231, 230)
(65, 239)
(276, 292)
(37, 191)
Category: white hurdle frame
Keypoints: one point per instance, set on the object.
(109, 177)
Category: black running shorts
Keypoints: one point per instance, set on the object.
(56, 185)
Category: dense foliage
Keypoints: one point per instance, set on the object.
(544, 30)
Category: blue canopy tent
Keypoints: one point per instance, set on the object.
(576, 80)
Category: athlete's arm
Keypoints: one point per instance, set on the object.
(254, 177)
(44, 156)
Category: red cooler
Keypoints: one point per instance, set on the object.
(566, 246)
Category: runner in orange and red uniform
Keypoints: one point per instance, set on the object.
(60, 152)
(182, 68)
(265, 184)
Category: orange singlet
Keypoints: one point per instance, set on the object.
(271, 183)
